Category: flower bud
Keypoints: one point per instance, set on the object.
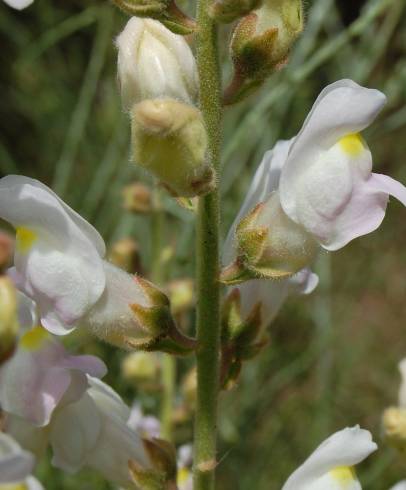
(153, 62)
(269, 245)
(137, 198)
(140, 367)
(8, 318)
(125, 254)
(181, 295)
(229, 10)
(394, 427)
(261, 44)
(169, 140)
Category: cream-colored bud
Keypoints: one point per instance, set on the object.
(8, 317)
(140, 367)
(180, 292)
(394, 426)
(154, 62)
(169, 140)
(125, 253)
(137, 198)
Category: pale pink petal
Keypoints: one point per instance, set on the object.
(365, 210)
(87, 364)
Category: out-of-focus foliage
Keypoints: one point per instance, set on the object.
(332, 360)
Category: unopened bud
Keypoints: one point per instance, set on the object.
(141, 367)
(125, 253)
(229, 10)
(8, 318)
(181, 295)
(169, 140)
(269, 245)
(137, 198)
(394, 427)
(153, 62)
(261, 44)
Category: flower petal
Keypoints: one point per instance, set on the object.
(58, 259)
(399, 486)
(74, 433)
(342, 108)
(19, 4)
(343, 449)
(15, 463)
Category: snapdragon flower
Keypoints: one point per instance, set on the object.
(331, 464)
(327, 194)
(18, 4)
(154, 62)
(41, 373)
(59, 263)
(52, 398)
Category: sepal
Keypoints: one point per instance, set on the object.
(227, 11)
(166, 11)
(157, 320)
(242, 338)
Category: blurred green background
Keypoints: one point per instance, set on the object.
(332, 361)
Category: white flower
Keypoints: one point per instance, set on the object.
(326, 184)
(154, 62)
(19, 4)
(146, 425)
(271, 294)
(316, 190)
(59, 264)
(40, 374)
(330, 466)
(48, 399)
(16, 465)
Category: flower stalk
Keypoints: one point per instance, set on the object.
(207, 260)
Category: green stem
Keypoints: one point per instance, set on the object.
(207, 257)
(168, 393)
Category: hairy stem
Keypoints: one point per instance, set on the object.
(207, 257)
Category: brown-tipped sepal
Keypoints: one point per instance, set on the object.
(162, 455)
(145, 478)
(269, 245)
(242, 337)
(227, 11)
(166, 11)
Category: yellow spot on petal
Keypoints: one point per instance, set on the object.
(24, 239)
(34, 338)
(352, 144)
(13, 486)
(344, 475)
(183, 475)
